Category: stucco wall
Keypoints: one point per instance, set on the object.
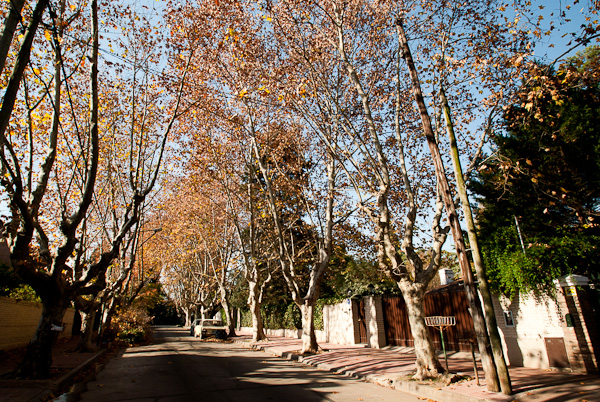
(338, 325)
(286, 333)
(534, 320)
(375, 322)
(19, 319)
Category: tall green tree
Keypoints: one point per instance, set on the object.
(540, 190)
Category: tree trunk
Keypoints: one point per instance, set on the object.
(258, 331)
(10, 25)
(188, 322)
(309, 339)
(229, 317)
(87, 330)
(21, 62)
(107, 315)
(38, 358)
(428, 365)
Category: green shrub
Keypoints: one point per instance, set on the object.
(246, 318)
(292, 318)
(319, 324)
(132, 335)
(132, 325)
(274, 316)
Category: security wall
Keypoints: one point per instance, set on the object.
(19, 319)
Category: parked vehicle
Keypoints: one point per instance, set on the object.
(207, 327)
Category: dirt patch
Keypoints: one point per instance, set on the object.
(440, 381)
(213, 339)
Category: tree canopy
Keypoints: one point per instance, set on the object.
(543, 179)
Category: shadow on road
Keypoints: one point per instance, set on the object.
(178, 367)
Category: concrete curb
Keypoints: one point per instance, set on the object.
(406, 386)
(263, 348)
(57, 385)
(62, 381)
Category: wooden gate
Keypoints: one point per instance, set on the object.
(395, 319)
(397, 328)
(362, 323)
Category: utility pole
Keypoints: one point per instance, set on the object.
(484, 288)
(487, 359)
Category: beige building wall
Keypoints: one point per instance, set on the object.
(549, 332)
(552, 333)
(19, 320)
(534, 320)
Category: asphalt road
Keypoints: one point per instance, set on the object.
(179, 367)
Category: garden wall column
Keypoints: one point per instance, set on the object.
(374, 321)
(580, 322)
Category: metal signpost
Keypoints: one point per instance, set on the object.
(441, 323)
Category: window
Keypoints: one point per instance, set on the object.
(508, 319)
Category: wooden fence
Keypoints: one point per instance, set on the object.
(397, 328)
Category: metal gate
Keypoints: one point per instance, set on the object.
(557, 352)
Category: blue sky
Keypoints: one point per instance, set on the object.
(550, 47)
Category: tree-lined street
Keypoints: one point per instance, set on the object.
(166, 161)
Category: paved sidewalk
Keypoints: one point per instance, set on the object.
(392, 366)
(66, 364)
